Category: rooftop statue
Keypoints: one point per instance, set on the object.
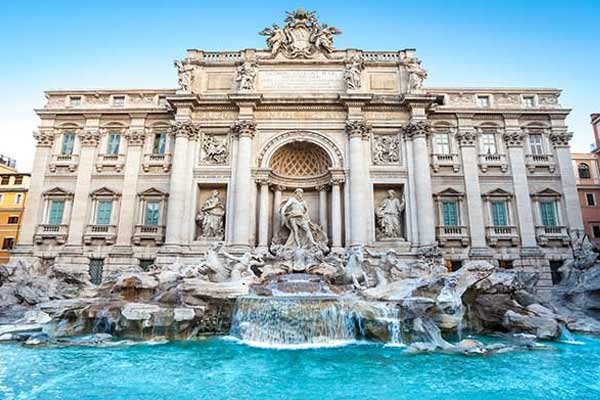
(302, 36)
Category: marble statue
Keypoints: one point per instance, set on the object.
(301, 37)
(185, 76)
(352, 269)
(243, 265)
(246, 75)
(416, 74)
(211, 217)
(215, 151)
(584, 255)
(386, 149)
(389, 214)
(352, 73)
(303, 233)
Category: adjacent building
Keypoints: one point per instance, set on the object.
(129, 176)
(13, 192)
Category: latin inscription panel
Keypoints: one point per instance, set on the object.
(301, 80)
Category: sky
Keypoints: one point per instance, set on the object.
(132, 44)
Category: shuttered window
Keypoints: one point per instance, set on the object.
(450, 213)
(55, 215)
(68, 143)
(152, 213)
(114, 140)
(104, 212)
(548, 213)
(499, 215)
(159, 145)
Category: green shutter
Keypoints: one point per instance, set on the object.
(548, 213)
(499, 213)
(450, 213)
(104, 212)
(152, 213)
(57, 208)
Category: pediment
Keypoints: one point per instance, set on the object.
(450, 192)
(57, 192)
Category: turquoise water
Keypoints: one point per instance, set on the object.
(224, 369)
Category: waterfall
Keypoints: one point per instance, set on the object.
(293, 321)
(566, 336)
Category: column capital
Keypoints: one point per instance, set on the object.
(262, 180)
(466, 137)
(513, 138)
(277, 188)
(560, 138)
(135, 136)
(184, 128)
(358, 128)
(322, 188)
(417, 128)
(44, 137)
(244, 128)
(89, 137)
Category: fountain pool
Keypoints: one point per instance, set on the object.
(220, 368)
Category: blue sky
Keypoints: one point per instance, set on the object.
(125, 44)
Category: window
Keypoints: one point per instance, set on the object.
(590, 199)
(96, 269)
(75, 101)
(584, 171)
(596, 231)
(145, 264)
(483, 101)
(55, 215)
(442, 143)
(8, 243)
(159, 144)
(112, 146)
(18, 198)
(450, 213)
(505, 264)
(499, 214)
(536, 144)
(68, 144)
(152, 213)
(103, 212)
(119, 101)
(5, 180)
(13, 220)
(548, 213)
(18, 180)
(488, 143)
(529, 101)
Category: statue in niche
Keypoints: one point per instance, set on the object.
(185, 76)
(352, 72)
(215, 151)
(211, 217)
(246, 75)
(416, 74)
(388, 214)
(386, 149)
(303, 233)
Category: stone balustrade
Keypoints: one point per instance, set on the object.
(108, 233)
(67, 161)
(457, 233)
(542, 161)
(445, 160)
(487, 161)
(162, 161)
(112, 161)
(154, 233)
(495, 234)
(546, 234)
(54, 232)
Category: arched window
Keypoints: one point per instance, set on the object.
(584, 171)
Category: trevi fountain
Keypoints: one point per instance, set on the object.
(302, 314)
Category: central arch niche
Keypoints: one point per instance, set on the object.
(301, 164)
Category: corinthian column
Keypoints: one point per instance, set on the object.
(263, 219)
(336, 213)
(323, 207)
(245, 130)
(135, 140)
(45, 139)
(358, 132)
(560, 141)
(88, 139)
(513, 139)
(467, 139)
(183, 131)
(417, 131)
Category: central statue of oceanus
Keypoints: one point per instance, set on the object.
(302, 233)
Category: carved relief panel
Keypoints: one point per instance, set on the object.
(385, 149)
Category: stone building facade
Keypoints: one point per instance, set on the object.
(127, 177)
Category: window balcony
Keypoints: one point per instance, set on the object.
(55, 232)
(495, 234)
(535, 161)
(67, 161)
(108, 233)
(546, 234)
(447, 234)
(154, 233)
(445, 160)
(487, 161)
(112, 161)
(161, 161)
